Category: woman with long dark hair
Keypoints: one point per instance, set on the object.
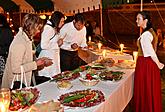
(50, 46)
(147, 84)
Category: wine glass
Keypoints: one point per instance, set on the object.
(4, 99)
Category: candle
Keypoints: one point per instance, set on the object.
(121, 48)
(99, 45)
(104, 53)
(4, 99)
(89, 39)
(2, 107)
(135, 54)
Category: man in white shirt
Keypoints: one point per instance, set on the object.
(74, 37)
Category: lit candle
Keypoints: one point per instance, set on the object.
(135, 54)
(89, 39)
(2, 107)
(99, 45)
(104, 53)
(121, 47)
(4, 99)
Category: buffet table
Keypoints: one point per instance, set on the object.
(117, 94)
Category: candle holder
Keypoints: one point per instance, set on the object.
(4, 99)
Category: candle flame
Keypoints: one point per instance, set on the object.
(121, 47)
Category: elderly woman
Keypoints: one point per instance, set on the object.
(20, 52)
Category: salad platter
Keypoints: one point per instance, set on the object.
(23, 99)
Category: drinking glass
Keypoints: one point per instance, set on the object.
(4, 99)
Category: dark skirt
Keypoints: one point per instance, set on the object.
(147, 86)
(69, 60)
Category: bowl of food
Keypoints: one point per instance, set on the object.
(89, 79)
(64, 84)
(88, 82)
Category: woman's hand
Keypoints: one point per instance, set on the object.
(40, 63)
(161, 65)
(43, 62)
(48, 62)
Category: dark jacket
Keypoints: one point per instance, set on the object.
(6, 38)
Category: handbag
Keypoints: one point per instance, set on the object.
(16, 84)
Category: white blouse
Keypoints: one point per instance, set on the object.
(51, 50)
(147, 48)
(47, 34)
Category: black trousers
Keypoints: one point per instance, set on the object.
(69, 60)
(39, 79)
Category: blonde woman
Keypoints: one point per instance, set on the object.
(20, 52)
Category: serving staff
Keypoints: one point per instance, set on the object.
(74, 37)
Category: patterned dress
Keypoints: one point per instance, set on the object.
(2, 65)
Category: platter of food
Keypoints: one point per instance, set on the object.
(23, 99)
(98, 66)
(111, 75)
(67, 75)
(126, 64)
(109, 62)
(47, 106)
(82, 98)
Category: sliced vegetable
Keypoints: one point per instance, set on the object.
(71, 98)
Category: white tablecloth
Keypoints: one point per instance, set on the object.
(88, 55)
(117, 94)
